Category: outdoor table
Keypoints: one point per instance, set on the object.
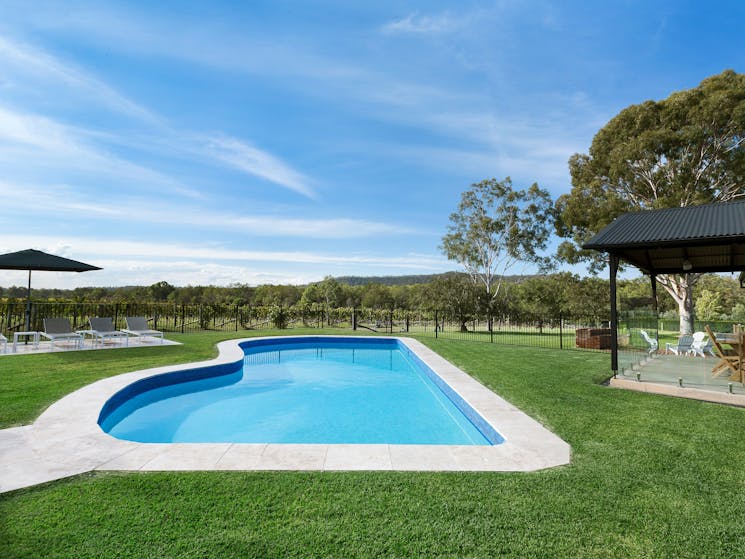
(34, 336)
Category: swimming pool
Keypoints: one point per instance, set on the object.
(301, 390)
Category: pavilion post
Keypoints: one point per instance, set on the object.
(614, 261)
(27, 324)
(655, 308)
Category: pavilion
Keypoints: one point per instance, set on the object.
(693, 239)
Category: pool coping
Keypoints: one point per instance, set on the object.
(66, 439)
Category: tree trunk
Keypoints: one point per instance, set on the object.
(680, 289)
(685, 310)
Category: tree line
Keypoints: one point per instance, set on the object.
(718, 297)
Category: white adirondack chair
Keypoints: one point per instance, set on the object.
(652, 343)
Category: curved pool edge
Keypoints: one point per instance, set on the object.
(118, 406)
(66, 438)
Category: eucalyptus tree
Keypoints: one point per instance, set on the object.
(456, 295)
(685, 150)
(546, 296)
(708, 305)
(494, 228)
(327, 292)
(160, 291)
(376, 296)
(281, 295)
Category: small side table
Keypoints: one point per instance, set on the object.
(84, 333)
(33, 335)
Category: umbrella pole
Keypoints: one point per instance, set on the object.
(28, 303)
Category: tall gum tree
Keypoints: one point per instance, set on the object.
(685, 150)
(495, 227)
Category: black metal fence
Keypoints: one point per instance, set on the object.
(558, 332)
(161, 316)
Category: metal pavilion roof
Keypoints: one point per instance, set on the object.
(708, 238)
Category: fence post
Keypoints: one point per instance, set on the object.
(237, 316)
(491, 327)
(435, 324)
(561, 331)
(354, 318)
(183, 316)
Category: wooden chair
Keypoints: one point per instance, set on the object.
(727, 362)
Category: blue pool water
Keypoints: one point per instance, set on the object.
(300, 390)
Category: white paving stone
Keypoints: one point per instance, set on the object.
(358, 457)
(293, 457)
(241, 457)
(180, 456)
(134, 458)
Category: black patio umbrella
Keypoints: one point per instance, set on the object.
(37, 260)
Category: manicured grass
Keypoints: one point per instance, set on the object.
(650, 477)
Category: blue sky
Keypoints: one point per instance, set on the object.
(209, 143)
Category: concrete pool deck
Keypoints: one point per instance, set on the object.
(66, 439)
(22, 348)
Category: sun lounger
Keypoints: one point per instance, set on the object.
(102, 329)
(4, 343)
(59, 330)
(137, 326)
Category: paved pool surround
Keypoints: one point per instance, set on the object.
(67, 440)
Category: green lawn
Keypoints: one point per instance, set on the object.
(650, 477)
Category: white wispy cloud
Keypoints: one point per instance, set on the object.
(32, 141)
(23, 59)
(68, 201)
(257, 162)
(125, 262)
(146, 250)
(295, 62)
(21, 62)
(422, 24)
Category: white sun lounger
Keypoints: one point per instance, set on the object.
(102, 329)
(4, 343)
(137, 326)
(59, 329)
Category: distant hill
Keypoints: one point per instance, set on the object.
(391, 280)
(408, 280)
